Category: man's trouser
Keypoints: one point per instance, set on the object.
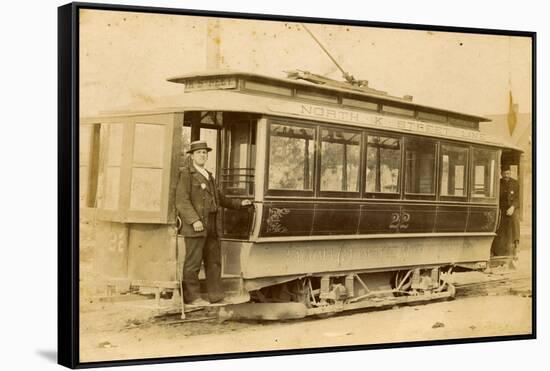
(507, 235)
(197, 249)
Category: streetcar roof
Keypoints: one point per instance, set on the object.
(237, 101)
(351, 90)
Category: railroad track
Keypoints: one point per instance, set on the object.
(508, 283)
(511, 285)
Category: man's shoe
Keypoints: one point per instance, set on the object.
(223, 301)
(198, 303)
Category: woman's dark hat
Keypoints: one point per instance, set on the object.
(198, 144)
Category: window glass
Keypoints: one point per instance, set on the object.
(238, 173)
(359, 103)
(454, 162)
(108, 192)
(291, 157)
(398, 111)
(89, 163)
(340, 156)
(463, 123)
(431, 116)
(420, 167)
(147, 166)
(383, 164)
(316, 96)
(484, 177)
(84, 157)
(185, 140)
(265, 88)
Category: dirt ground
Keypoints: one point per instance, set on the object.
(125, 330)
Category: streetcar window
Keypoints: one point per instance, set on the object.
(398, 110)
(265, 88)
(428, 116)
(453, 164)
(484, 174)
(463, 123)
(359, 103)
(340, 157)
(325, 98)
(383, 164)
(108, 193)
(420, 167)
(89, 150)
(291, 157)
(237, 174)
(185, 141)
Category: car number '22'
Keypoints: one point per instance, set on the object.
(400, 220)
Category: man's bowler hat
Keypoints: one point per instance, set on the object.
(198, 144)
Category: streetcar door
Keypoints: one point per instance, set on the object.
(232, 137)
(237, 171)
(512, 159)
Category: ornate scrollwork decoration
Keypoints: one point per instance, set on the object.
(274, 220)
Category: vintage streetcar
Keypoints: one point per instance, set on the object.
(361, 199)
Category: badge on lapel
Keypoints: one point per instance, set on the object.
(203, 186)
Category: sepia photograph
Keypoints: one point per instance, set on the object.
(257, 186)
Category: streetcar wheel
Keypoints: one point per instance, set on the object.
(398, 278)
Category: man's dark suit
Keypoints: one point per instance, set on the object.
(198, 198)
(508, 231)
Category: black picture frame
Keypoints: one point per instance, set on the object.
(68, 182)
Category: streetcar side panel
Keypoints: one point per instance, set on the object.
(339, 256)
(304, 224)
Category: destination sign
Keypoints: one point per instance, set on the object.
(377, 121)
(211, 84)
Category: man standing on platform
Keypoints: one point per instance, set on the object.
(197, 203)
(507, 241)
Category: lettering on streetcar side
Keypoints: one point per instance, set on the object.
(377, 121)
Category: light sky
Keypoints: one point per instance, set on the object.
(126, 57)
